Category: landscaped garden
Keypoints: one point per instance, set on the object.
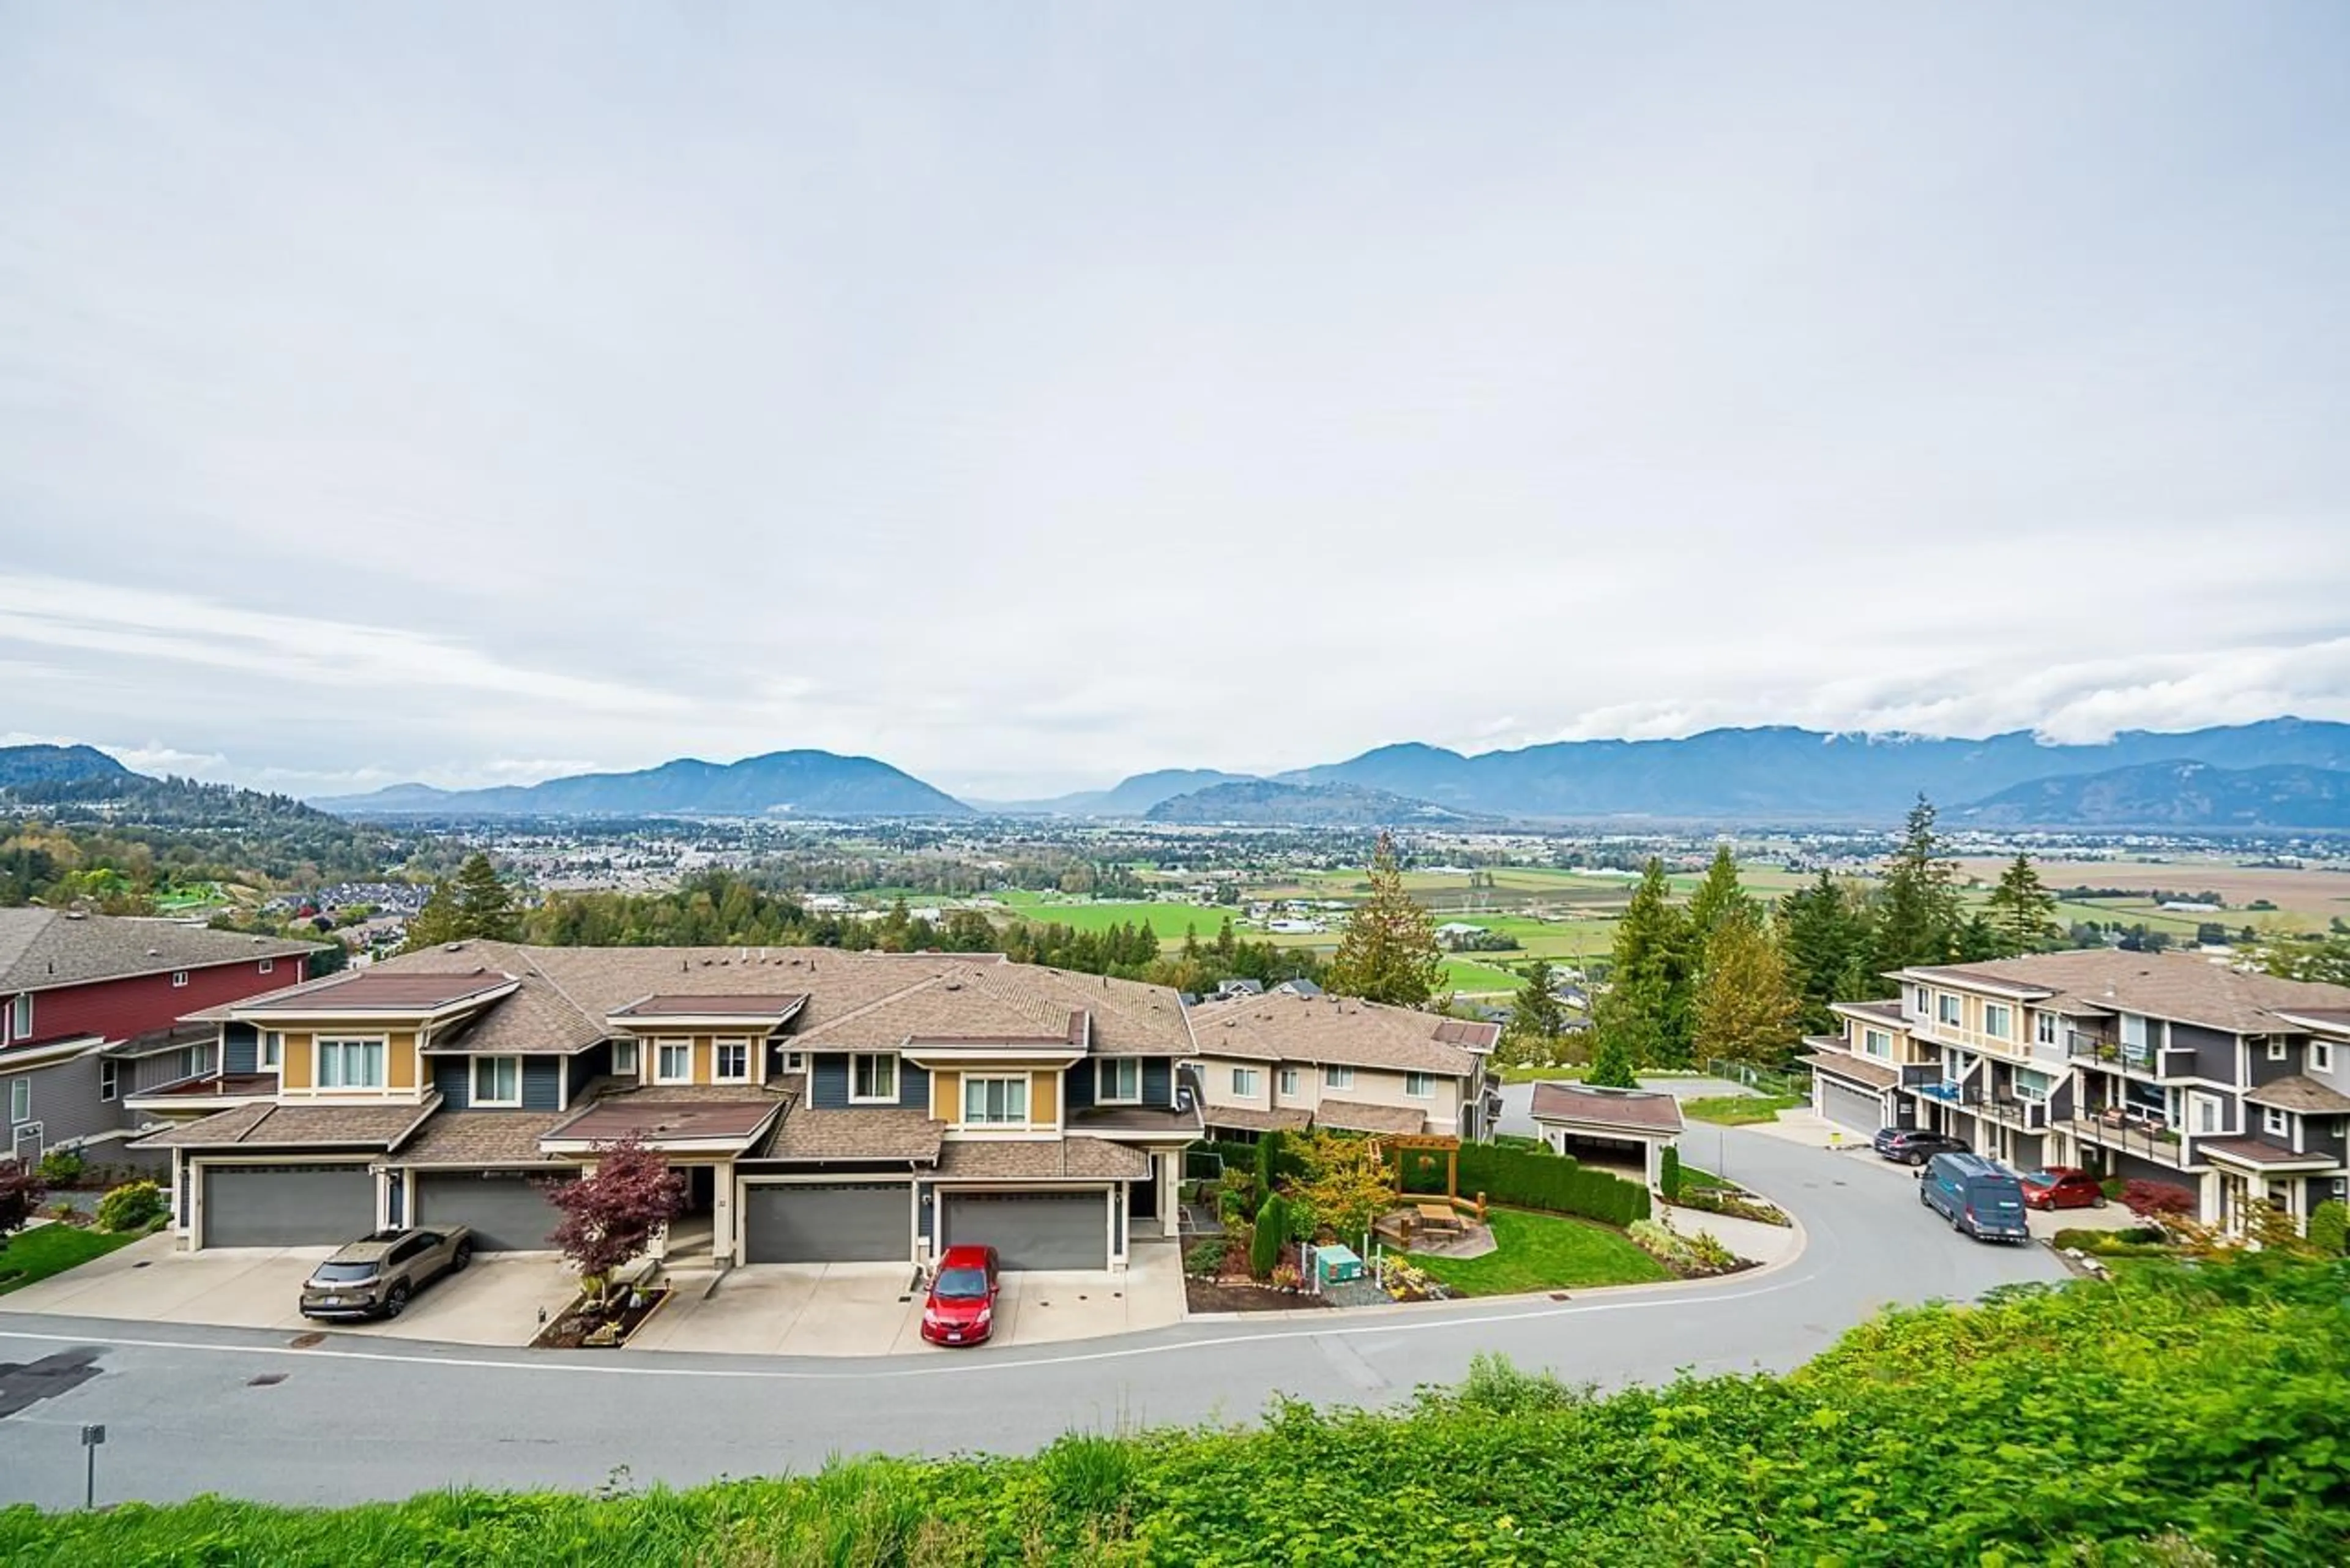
(2181, 1417)
(74, 1236)
(1543, 1252)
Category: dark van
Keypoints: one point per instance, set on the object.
(1978, 1196)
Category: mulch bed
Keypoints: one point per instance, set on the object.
(1219, 1295)
(570, 1331)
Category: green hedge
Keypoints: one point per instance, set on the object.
(1526, 1179)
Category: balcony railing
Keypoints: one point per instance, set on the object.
(2112, 1052)
(2130, 1134)
(1948, 1093)
(2031, 1115)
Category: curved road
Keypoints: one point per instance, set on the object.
(359, 1418)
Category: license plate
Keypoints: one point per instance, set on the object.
(333, 1301)
(953, 1335)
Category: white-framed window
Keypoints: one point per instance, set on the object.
(1419, 1086)
(994, 1101)
(624, 1058)
(20, 1099)
(795, 1061)
(2321, 1056)
(1292, 1082)
(730, 1062)
(350, 1064)
(2207, 1113)
(497, 1080)
(1947, 1008)
(20, 1016)
(2272, 1120)
(1245, 1083)
(873, 1080)
(1917, 1008)
(672, 1061)
(1338, 1077)
(2276, 1048)
(2043, 1028)
(1119, 1081)
(267, 966)
(2031, 1085)
(1998, 1021)
(110, 1079)
(269, 1053)
(1876, 1043)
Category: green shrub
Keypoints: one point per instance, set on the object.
(1668, 1174)
(133, 1205)
(1203, 1260)
(61, 1167)
(2329, 1228)
(1270, 1237)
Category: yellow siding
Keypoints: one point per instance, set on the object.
(946, 1096)
(702, 1059)
(1043, 1097)
(399, 1060)
(295, 1063)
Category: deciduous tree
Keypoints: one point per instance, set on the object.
(1344, 1181)
(1746, 1010)
(610, 1217)
(1388, 952)
(20, 1191)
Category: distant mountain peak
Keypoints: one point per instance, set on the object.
(801, 782)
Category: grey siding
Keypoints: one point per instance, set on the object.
(240, 1048)
(167, 1067)
(828, 1083)
(926, 1210)
(2262, 1070)
(454, 1077)
(65, 1103)
(1077, 1087)
(1158, 1081)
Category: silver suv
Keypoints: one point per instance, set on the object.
(379, 1273)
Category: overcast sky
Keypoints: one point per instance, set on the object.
(1032, 395)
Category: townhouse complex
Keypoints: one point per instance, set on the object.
(2165, 1068)
(1285, 1061)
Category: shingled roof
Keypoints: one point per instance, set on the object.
(44, 948)
(298, 1127)
(1340, 1032)
(2180, 987)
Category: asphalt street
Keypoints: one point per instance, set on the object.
(242, 1413)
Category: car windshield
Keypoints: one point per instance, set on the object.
(961, 1285)
(2037, 1178)
(343, 1274)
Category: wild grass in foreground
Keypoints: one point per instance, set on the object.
(2180, 1416)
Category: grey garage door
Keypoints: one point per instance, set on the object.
(1849, 1107)
(844, 1222)
(506, 1208)
(1033, 1229)
(287, 1205)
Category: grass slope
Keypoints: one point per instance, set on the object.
(2175, 1417)
(1738, 1110)
(31, 1255)
(1545, 1252)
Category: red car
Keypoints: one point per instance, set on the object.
(2063, 1187)
(961, 1307)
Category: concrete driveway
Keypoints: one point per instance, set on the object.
(876, 1309)
(495, 1302)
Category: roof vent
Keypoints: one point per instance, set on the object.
(452, 947)
(154, 953)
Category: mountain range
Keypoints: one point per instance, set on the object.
(1263, 802)
(798, 783)
(2176, 794)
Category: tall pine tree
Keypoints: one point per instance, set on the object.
(1537, 1018)
(1718, 898)
(1388, 952)
(2023, 912)
(1825, 932)
(1917, 910)
(1647, 1007)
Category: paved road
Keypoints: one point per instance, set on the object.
(354, 1418)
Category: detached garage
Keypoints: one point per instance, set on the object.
(285, 1205)
(828, 1222)
(507, 1210)
(1032, 1229)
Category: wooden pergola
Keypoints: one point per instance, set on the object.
(1421, 1143)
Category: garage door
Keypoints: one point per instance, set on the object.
(1033, 1229)
(1849, 1107)
(842, 1222)
(506, 1208)
(287, 1205)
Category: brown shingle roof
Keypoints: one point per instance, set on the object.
(1361, 1115)
(482, 1138)
(2295, 1093)
(1884, 1011)
(45, 948)
(1032, 1160)
(778, 1006)
(1250, 1120)
(1857, 1069)
(1136, 1119)
(298, 1127)
(877, 1134)
(378, 990)
(671, 1118)
(2180, 987)
(1339, 1032)
(1634, 1110)
(2251, 1151)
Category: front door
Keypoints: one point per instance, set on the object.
(2235, 1197)
(27, 1146)
(1144, 1204)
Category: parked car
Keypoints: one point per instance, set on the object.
(960, 1306)
(1914, 1146)
(1978, 1196)
(378, 1274)
(2060, 1187)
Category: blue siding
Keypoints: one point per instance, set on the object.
(592, 1062)
(1077, 1088)
(1081, 1082)
(240, 1048)
(542, 1082)
(926, 1210)
(828, 1084)
(1158, 1081)
(452, 1076)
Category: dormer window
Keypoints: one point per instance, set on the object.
(350, 1064)
(673, 1061)
(497, 1081)
(873, 1080)
(730, 1062)
(624, 1059)
(1119, 1082)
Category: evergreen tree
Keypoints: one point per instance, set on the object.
(1918, 914)
(1718, 898)
(2023, 911)
(437, 921)
(1388, 952)
(1823, 931)
(484, 906)
(1746, 1009)
(1614, 1064)
(1647, 1001)
(1537, 1018)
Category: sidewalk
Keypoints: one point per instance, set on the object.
(1750, 1239)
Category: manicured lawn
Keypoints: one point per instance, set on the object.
(1541, 1074)
(31, 1255)
(1545, 1252)
(1737, 1110)
(1476, 978)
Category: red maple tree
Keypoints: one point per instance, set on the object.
(20, 1191)
(610, 1217)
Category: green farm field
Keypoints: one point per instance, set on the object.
(1168, 921)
